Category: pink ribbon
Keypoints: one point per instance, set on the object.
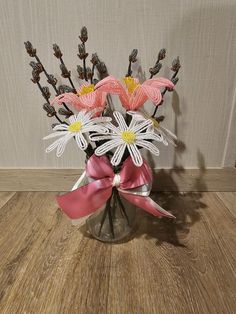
(133, 183)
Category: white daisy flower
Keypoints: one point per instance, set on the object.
(123, 136)
(78, 125)
(168, 136)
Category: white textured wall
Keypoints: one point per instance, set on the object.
(202, 33)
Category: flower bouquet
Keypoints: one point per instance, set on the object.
(116, 179)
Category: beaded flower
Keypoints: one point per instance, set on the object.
(130, 137)
(168, 136)
(135, 94)
(89, 96)
(79, 124)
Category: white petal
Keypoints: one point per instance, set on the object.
(169, 132)
(54, 145)
(135, 155)
(137, 115)
(101, 120)
(149, 146)
(142, 126)
(73, 119)
(164, 141)
(166, 137)
(133, 122)
(95, 128)
(118, 154)
(62, 145)
(100, 137)
(55, 134)
(87, 116)
(101, 150)
(60, 127)
(120, 120)
(113, 128)
(150, 136)
(81, 141)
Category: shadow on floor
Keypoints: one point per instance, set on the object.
(185, 207)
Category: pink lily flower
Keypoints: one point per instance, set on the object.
(136, 94)
(89, 96)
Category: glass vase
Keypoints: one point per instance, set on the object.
(114, 222)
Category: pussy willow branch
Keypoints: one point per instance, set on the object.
(69, 78)
(36, 77)
(93, 69)
(65, 73)
(129, 72)
(48, 77)
(55, 114)
(132, 59)
(157, 66)
(84, 65)
(163, 93)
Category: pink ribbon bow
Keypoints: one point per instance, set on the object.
(133, 183)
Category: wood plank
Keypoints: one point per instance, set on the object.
(229, 199)
(181, 266)
(5, 197)
(164, 179)
(41, 250)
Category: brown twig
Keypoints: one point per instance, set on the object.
(65, 73)
(156, 68)
(50, 78)
(110, 219)
(175, 68)
(37, 69)
(94, 60)
(132, 59)
(82, 49)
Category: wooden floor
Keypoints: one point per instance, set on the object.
(183, 266)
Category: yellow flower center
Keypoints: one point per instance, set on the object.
(155, 123)
(86, 89)
(75, 127)
(128, 136)
(131, 84)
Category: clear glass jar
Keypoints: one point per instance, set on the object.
(114, 222)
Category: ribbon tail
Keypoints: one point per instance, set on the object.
(86, 199)
(147, 204)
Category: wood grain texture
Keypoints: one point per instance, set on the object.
(229, 200)
(164, 179)
(182, 266)
(201, 32)
(5, 197)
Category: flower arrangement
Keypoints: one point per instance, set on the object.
(116, 173)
